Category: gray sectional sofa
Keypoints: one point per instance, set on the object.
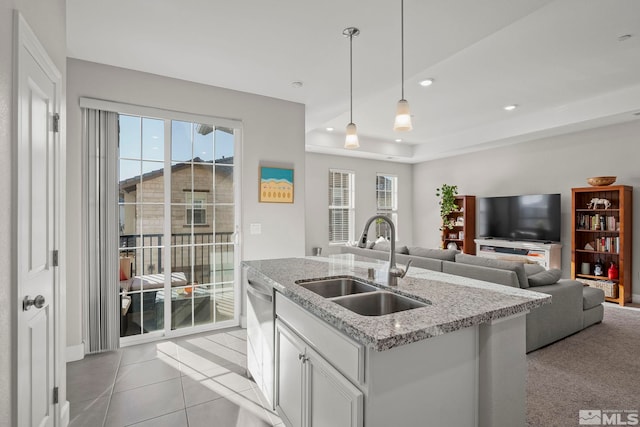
(573, 306)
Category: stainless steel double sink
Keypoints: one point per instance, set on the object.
(360, 297)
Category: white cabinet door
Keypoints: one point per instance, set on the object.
(309, 391)
(332, 400)
(290, 376)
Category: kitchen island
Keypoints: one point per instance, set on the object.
(459, 360)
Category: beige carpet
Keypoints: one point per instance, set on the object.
(597, 368)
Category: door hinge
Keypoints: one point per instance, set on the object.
(56, 122)
(55, 258)
(55, 395)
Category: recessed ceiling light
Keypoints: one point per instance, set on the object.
(624, 37)
(329, 129)
(426, 82)
(399, 140)
(296, 84)
(511, 107)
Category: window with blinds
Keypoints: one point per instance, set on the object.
(341, 206)
(387, 203)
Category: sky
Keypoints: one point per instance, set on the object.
(142, 144)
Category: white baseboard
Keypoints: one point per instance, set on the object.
(243, 322)
(64, 414)
(75, 352)
(635, 298)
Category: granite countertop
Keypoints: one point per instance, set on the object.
(455, 302)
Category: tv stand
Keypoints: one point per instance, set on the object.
(546, 254)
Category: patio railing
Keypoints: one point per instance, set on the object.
(149, 251)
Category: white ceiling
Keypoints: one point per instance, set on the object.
(560, 61)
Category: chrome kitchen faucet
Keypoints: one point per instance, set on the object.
(394, 272)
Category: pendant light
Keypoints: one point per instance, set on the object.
(351, 141)
(403, 116)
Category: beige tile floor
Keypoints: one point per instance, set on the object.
(192, 381)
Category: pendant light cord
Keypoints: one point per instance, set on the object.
(402, 44)
(351, 77)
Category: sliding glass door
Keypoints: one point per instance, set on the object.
(178, 222)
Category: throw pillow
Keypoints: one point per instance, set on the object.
(531, 269)
(402, 250)
(518, 267)
(547, 277)
(382, 246)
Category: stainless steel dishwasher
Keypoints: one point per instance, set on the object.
(260, 334)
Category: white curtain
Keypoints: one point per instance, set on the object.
(100, 230)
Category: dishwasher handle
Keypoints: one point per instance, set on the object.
(259, 291)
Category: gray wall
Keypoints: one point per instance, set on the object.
(273, 134)
(550, 165)
(317, 211)
(48, 20)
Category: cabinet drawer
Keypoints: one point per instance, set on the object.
(342, 352)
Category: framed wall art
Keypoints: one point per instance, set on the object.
(276, 185)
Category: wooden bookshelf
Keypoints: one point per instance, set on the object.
(465, 221)
(610, 237)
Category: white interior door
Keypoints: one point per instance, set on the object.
(35, 197)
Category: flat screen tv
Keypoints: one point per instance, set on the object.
(533, 217)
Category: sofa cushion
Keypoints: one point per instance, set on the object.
(493, 275)
(544, 278)
(420, 262)
(386, 247)
(591, 297)
(531, 269)
(557, 320)
(443, 254)
(592, 316)
(369, 253)
(517, 267)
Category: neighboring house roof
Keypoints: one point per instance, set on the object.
(129, 184)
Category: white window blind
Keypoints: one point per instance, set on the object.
(341, 206)
(387, 203)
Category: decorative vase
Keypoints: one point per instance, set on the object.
(586, 268)
(598, 269)
(613, 272)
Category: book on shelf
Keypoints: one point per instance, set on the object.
(597, 222)
(605, 244)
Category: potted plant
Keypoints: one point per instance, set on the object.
(447, 194)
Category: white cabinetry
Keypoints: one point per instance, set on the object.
(470, 377)
(290, 376)
(547, 255)
(309, 391)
